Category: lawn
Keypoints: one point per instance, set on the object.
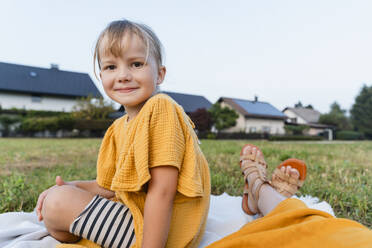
(337, 172)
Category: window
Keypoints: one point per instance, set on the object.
(293, 120)
(266, 129)
(252, 129)
(36, 98)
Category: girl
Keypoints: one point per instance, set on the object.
(152, 187)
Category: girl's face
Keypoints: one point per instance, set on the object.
(129, 79)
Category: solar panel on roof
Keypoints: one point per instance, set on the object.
(258, 108)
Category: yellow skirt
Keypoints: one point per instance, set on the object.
(293, 224)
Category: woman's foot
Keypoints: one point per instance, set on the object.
(289, 176)
(253, 167)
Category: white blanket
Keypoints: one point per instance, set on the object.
(23, 230)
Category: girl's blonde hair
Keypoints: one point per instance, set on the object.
(116, 31)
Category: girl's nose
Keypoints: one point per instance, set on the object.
(124, 76)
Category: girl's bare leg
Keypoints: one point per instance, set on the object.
(61, 206)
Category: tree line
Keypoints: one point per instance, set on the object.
(359, 122)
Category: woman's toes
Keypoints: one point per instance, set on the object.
(254, 152)
(294, 173)
(288, 170)
(247, 150)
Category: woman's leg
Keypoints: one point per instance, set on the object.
(268, 198)
(61, 207)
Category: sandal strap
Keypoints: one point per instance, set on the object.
(290, 180)
(252, 167)
(283, 187)
(253, 158)
(248, 167)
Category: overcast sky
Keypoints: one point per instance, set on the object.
(283, 51)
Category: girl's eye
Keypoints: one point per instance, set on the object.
(137, 64)
(110, 67)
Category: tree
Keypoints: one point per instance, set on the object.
(336, 117)
(298, 105)
(6, 122)
(295, 129)
(361, 111)
(202, 119)
(223, 117)
(92, 109)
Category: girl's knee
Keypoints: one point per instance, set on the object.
(56, 200)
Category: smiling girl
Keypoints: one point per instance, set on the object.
(152, 187)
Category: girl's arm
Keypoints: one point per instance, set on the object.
(91, 186)
(158, 206)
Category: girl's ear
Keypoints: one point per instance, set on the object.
(161, 74)
(100, 75)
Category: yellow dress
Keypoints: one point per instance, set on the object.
(161, 134)
(292, 224)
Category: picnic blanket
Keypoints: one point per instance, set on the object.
(23, 230)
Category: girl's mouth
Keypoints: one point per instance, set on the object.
(126, 90)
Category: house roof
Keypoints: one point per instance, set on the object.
(43, 81)
(309, 115)
(255, 109)
(189, 103)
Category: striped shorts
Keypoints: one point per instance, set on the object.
(105, 222)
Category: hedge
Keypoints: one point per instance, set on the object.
(294, 138)
(237, 135)
(349, 135)
(63, 122)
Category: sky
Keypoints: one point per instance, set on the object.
(316, 52)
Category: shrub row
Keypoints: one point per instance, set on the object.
(63, 122)
(349, 135)
(294, 138)
(237, 135)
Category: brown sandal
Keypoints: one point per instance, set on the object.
(253, 164)
(284, 183)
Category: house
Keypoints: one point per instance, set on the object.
(189, 103)
(308, 117)
(255, 116)
(34, 88)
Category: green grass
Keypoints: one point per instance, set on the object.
(337, 172)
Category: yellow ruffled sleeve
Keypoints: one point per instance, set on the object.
(163, 138)
(106, 159)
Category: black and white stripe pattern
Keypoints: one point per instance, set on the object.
(107, 223)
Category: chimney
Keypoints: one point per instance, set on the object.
(255, 98)
(54, 66)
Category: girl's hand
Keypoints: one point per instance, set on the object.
(40, 201)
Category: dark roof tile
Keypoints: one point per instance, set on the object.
(190, 103)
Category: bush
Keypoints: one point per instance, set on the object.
(349, 135)
(37, 124)
(93, 125)
(295, 129)
(242, 135)
(294, 138)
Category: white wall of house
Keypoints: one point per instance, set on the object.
(255, 125)
(29, 102)
(292, 115)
